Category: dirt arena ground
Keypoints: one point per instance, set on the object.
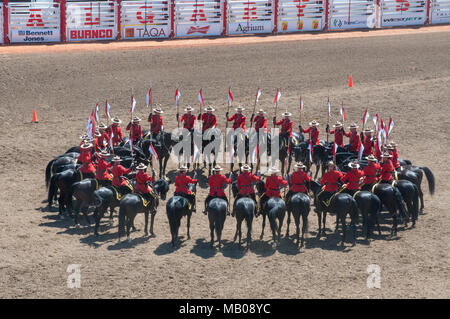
(406, 76)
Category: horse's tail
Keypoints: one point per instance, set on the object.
(122, 214)
(48, 172)
(52, 189)
(399, 202)
(430, 178)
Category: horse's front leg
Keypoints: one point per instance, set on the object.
(146, 223)
(288, 223)
(152, 221)
(188, 225)
(319, 218)
(263, 225)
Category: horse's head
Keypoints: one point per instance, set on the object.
(234, 188)
(315, 187)
(260, 187)
(161, 187)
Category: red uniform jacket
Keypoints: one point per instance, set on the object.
(102, 170)
(141, 182)
(260, 122)
(181, 184)
(136, 131)
(156, 123)
(118, 170)
(189, 121)
(273, 184)
(395, 162)
(239, 121)
(313, 134)
(103, 140)
(217, 183)
(367, 146)
(338, 136)
(87, 168)
(352, 177)
(299, 181)
(244, 183)
(330, 180)
(209, 121)
(370, 173)
(118, 135)
(85, 156)
(386, 171)
(355, 142)
(286, 126)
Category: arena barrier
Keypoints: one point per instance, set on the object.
(301, 15)
(352, 14)
(72, 20)
(34, 22)
(1, 23)
(440, 11)
(250, 16)
(145, 19)
(91, 21)
(403, 12)
(199, 18)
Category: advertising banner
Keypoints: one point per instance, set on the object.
(145, 19)
(403, 12)
(89, 21)
(34, 22)
(198, 18)
(250, 16)
(300, 15)
(440, 11)
(352, 14)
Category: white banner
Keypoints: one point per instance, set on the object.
(34, 22)
(440, 11)
(87, 21)
(198, 18)
(300, 15)
(250, 16)
(352, 14)
(145, 19)
(403, 12)
(1, 23)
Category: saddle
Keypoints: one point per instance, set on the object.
(393, 184)
(116, 192)
(145, 202)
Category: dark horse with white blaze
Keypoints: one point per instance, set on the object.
(341, 204)
(217, 213)
(132, 204)
(177, 207)
(275, 209)
(244, 208)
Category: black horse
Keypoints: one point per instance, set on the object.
(299, 205)
(217, 213)
(83, 192)
(275, 210)
(244, 208)
(341, 204)
(414, 174)
(63, 181)
(132, 204)
(369, 205)
(410, 195)
(392, 200)
(176, 208)
(56, 163)
(162, 149)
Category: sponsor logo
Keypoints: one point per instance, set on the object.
(338, 23)
(299, 25)
(202, 30)
(284, 26)
(315, 24)
(91, 34)
(245, 29)
(402, 19)
(144, 32)
(37, 36)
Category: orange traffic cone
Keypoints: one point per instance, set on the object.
(350, 82)
(35, 119)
